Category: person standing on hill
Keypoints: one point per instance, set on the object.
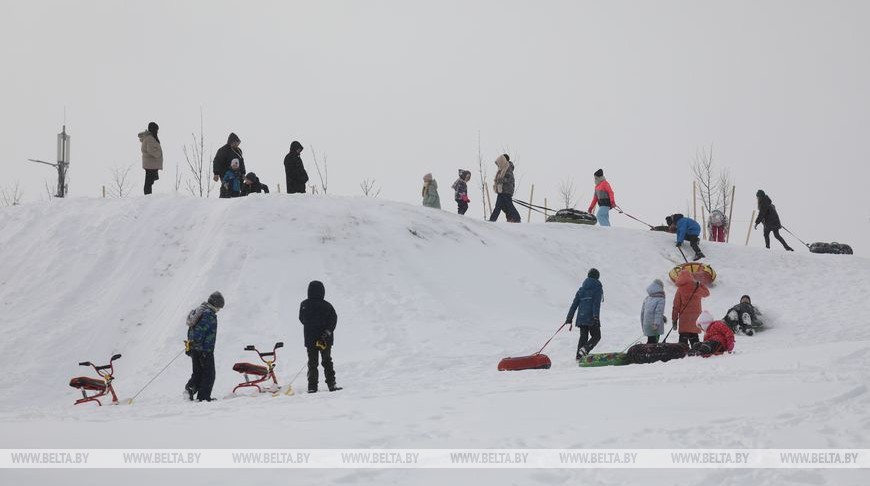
(319, 319)
(224, 157)
(460, 189)
(687, 307)
(603, 197)
(201, 337)
(430, 192)
(294, 170)
(688, 230)
(587, 301)
(504, 186)
(768, 217)
(152, 155)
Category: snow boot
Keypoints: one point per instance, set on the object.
(581, 353)
(190, 391)
(698, 256)
(312, 390)
(333, 388)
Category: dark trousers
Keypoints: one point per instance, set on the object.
(652, 339)
(768, 231)
(202, 379)
(505, 202)
(693, 242)
(463, 206)
(589, 337)
(689, 338)
(151, 175)
(325, 356)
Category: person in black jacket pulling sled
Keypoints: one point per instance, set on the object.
(318, 320)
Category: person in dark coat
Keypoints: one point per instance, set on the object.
(294, 170)
(318, 319)
(224, 157)
(201, 337)
(744, 317)
(252, 185)
(769, 218)
(587, 301)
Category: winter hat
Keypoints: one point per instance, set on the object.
(593, 273)
(216, 299)
(669, 220)
(677, 217)
(296, 146)
(745, 297)
(234, 163)
(760, 193)
(506, 157)
(599, 173)
(152, 127)
(233, 138)
(705, 319)
(427, 177)
(252, 177)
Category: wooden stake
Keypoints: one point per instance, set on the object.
(279, 188)
(730, 213)
(749, 231)
(546, 215)
(704, 222)
(104, 192)
(694, 201)
(531, 201)
(488, 198)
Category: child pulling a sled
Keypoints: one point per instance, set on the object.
(587, 301)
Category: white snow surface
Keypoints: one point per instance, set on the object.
(428, 303)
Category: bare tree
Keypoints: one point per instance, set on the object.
(714, 190)
(199, 182)
(567, 193)
(483, 175)
(322, 173)
(369, 188)
(11, 196)
(177, 177)
(120, 186)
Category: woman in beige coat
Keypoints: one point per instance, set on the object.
(152, 155)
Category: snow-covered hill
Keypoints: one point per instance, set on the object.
(428, 303)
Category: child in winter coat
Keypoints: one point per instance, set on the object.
(461, 189)
(687, 307)
(318, 319)
(652, 314)
(430, 192)
(587, 301)
(718, 337)
(233, 180)
(252, 185)
(718, 226)
(688, 229)
(201, 336)
(603, 197)
(744, 317)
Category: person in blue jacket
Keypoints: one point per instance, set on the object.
(688, 230)
(588, 302)
(202, 324)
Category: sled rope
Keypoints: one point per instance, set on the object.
(789, 232)
(130, 401)
(531, 207)
(632, 217)
(551, 338)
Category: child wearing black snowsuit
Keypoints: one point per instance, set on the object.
(318, 319)
(461, 188)
(201, 336)
(743, 317)
(587, 301)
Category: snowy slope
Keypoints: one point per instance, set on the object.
(428, 302)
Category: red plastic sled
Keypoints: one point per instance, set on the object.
(536, 361)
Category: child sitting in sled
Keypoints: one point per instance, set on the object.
(718, 337)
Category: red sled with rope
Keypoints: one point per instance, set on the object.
(102, 385)
(536, 361)
(261, 374)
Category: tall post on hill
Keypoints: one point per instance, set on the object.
(730, 214)
(62, 165)
(531, 201)
(749, 231)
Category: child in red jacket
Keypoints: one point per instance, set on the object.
(718, 337)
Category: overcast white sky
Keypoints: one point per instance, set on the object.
(394, 89)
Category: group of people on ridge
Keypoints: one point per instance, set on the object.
(318, 318)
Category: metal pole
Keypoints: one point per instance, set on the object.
(749, 231)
